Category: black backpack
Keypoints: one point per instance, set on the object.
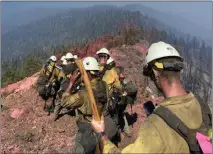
(188, 134)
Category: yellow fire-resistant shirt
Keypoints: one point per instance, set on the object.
(57, 73)
(112, 79)
(80, 100)
(155, 136)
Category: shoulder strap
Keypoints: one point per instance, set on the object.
(110, 66)
(176, 124)
(206, 114)
(106, 67)
(101, 74)
(107, 91)
(172, 120)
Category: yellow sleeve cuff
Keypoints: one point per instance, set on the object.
(108, 146)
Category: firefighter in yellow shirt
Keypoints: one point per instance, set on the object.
(85, 138)
(109, 75)
(46, 77)
(49, 81)
(172, 127)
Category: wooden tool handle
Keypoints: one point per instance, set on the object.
(96, 115)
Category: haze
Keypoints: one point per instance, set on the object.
(199, 13)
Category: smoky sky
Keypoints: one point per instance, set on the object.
(197, 12)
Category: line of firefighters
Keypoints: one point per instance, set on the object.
(171, 127)
(112, 92)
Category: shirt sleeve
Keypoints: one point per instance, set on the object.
(73, 101)
(148, 141)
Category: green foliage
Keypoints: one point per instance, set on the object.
(128, 36)
(132, 36)
(29, 66)
(77, 26)
(9, 77)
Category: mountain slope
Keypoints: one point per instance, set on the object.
(65, 28)
(179, 23)
(17, 19)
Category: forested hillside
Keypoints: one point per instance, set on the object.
(185, 26)
(26, 48)
(77, 25)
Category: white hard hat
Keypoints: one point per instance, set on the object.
(63, 58)
(69, 56)
(75, 56)
(110, 60)
(53, 58)
(64, 62)
(161, 50)
(91, 64)
(103, 50)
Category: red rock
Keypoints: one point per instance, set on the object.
(16, 149)
(22, 85)
(16, 113)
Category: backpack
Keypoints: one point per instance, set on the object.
(44, 91)
(88, 139)
(100, 92)
(188, 134)
(103, 100)
(130, 88)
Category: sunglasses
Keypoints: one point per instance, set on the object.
(102, 56)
